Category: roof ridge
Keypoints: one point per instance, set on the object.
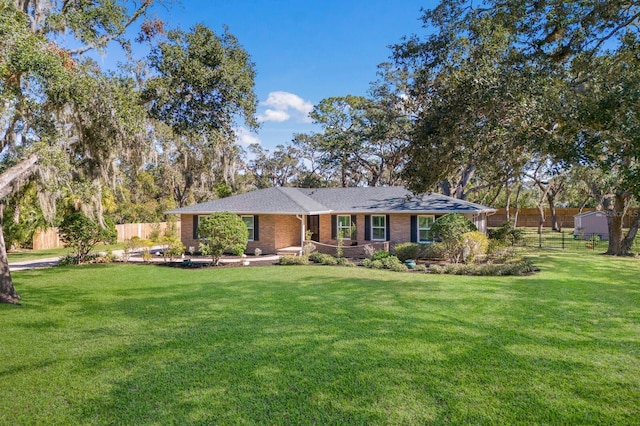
(288, 190)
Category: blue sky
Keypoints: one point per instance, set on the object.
(303, 50)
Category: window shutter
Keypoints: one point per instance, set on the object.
(334, 227)
(388, 223)
(414, 229)
(255, 228)
(354, 228)
(195, 227)
(367, 227)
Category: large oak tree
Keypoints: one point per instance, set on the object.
(56, 106)
(503, 81)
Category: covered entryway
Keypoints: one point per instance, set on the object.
(313, 225)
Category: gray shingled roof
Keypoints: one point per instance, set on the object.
(335, 200)
(264, 201)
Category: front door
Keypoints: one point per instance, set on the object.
(313, 225)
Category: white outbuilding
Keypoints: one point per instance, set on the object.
(589, 224)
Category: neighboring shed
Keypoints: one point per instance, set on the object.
(588, 224)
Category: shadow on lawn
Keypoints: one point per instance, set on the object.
(338, 350)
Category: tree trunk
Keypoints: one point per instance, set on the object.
(551, 199)
(517, 207)
(627, 242)
(9, 181)
(615, 210)
(7, 291)
(541, 221)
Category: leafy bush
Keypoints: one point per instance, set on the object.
(420, 268)
(434, 251)
(222, 232)
(449, 229)
(474, 245)
(451, 226)
(380, 254)
(507, 234)
(519, 267)
(70, 259)
(172, 247)
(343, 261)
(369, 251)
(389, 262)
(308, 248)
(82, 234)
(293, 260)
(376, 264)
(436, 269)
(405, 251)
(323, 259)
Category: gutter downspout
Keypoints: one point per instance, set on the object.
(302, 233)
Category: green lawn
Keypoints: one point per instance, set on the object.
(139, 344)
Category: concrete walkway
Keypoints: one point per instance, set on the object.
(136, 257)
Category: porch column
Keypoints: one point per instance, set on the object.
(303, 219)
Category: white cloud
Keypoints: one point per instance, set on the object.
(245, 137)
(274, 115)
(285, 104)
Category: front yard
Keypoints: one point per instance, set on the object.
(137, 344)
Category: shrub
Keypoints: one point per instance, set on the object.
(83, 233)
(222, 232)
(406, 251)
(69, 259)
(134, 244)
(389, 262)
(420, 268)
(519, 267)
(436, 269)
(172, 247)
(369, 251)
(393, 263)
(380, 254)
(293, 260)
(377, 264)
(324, 259)
(449, 229)
(434, 251)
(308, 248)
(474, 245)
(315, 257)
(343, 261)
(507, 234)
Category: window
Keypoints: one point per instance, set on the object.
(344, 226)
(378, 228)
(424, 228)
(249, 221)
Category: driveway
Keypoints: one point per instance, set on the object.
(135, 257)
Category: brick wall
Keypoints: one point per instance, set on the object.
(266, 235)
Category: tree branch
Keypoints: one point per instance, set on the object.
(16, 174)
(107, 38)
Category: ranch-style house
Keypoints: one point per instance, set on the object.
(278, 218)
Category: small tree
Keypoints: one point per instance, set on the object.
(449, 230)
(222, 232)
(83, 233)
(172, 247)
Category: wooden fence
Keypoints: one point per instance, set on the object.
(530, 217)
(50, 239)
